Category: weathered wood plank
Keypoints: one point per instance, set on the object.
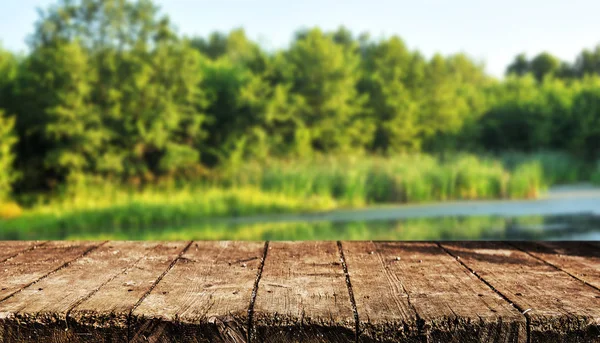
(580, 259)
(26, 268)
(384, 310)
(203, 298)
(399, 285)
(104, 317)
(41, 311)
(559, 308)
(302, 295)
(10, 249)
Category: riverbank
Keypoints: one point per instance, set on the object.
(561, 213)
(319, 189)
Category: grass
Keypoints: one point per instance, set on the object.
(109, 209)
(558, 167)
(278, 186)
(402, 179)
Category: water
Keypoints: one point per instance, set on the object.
(556, 227)
(565, 213)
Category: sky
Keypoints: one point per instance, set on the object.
(493, 32)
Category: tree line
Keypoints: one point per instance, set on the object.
(110, 89)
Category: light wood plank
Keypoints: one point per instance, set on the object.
(302, 295)
(40, 312)
(559, 307)
(104, 316)
(393, 280)
(32, 265)
(384, 309)
(204, 298)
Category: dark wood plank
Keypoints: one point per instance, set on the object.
(203, 298)
(30, 266)
(41, 311)
(302, 295)
(580, 259)
(104, 316)
(406, 289)
(559, 308)
(10, 249)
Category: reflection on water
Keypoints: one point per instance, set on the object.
(563, 227)
(565, 213)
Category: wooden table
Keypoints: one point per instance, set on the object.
(299, 291)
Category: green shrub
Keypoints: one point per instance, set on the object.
(7, 157)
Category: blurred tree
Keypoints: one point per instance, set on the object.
(7, 156)
(520, 66)
(146, 87)
(587, 62)
(586, 120)
(386, 67)
(543, 65)
(238, 93)
(444, 109)
(510, 124)
(60, 129)
(213, 47)
(324, 76)
(8, 74)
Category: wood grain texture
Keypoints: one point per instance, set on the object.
(384, 310)
(559, 308)
(300, 292)
(30, 266)
(41, 311)
(302, 295)
(104, 317)
(449, 304)
(9, 249)
(579, 259)
(204, 298)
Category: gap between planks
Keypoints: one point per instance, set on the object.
(154, 284)
(255, 292)
(260, 270)
(22, 251)
(64, 265)
(350, 292)
(503, 296)
(553, 265)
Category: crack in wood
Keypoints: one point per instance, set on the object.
(154, 284)
(24, 251)
(553, 266)
(512, 303)
(350, 292)
(94, 291)
(255, 291)
(64, 265)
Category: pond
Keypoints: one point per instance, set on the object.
(567, 213)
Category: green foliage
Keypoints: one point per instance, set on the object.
(401, 179)
(595, 174)
(392, 104)
(8, 74)
(110, 90)
(7, 156)
(97, 207)
(122, 99)
(323, 74)
(59, 125)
